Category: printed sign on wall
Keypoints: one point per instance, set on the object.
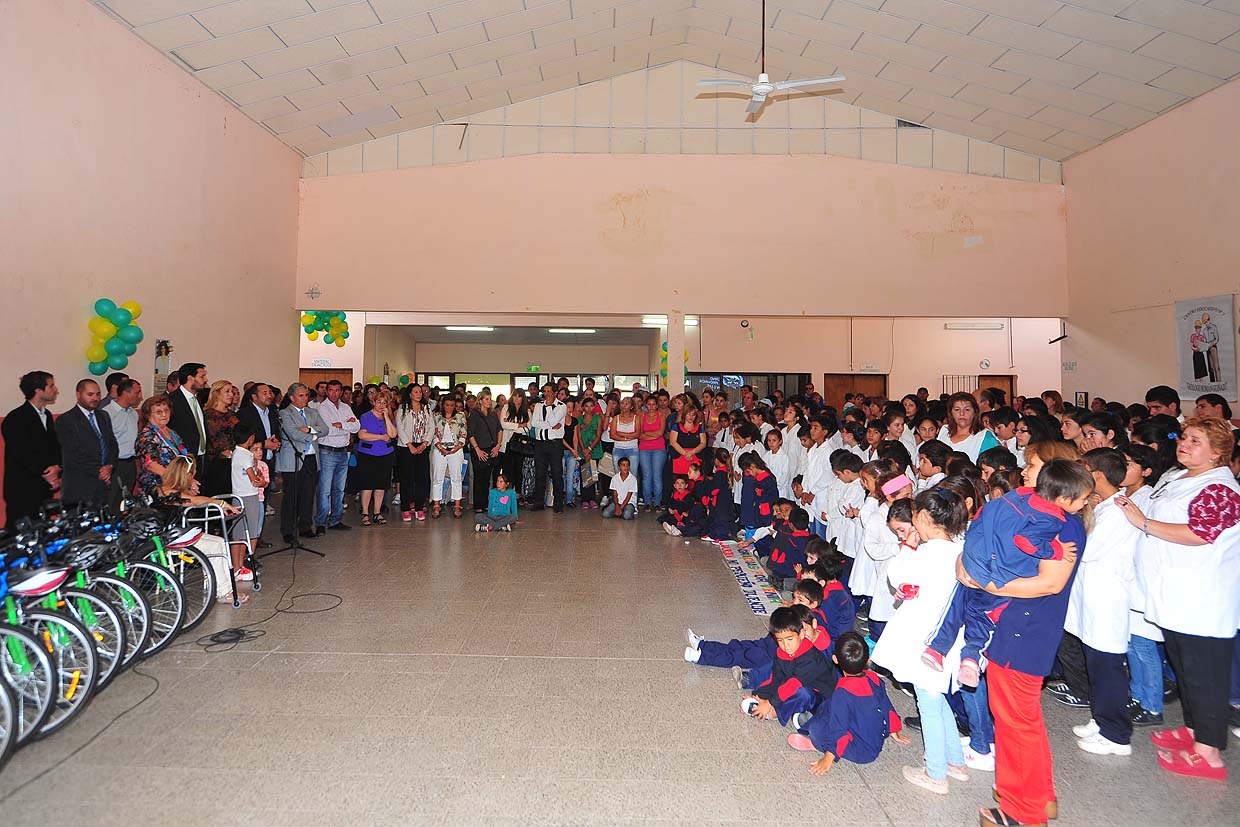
(1205, 346)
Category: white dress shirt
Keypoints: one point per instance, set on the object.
(332, 413)
(124, 428)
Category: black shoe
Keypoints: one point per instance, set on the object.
(963, 729)
(339, 527)
(319, 530)
(1143, 717)
(1073, 701)
(1058, 688)
(288, 539)
(263, 544)
(538, 508)
(559, 509)
(913, 722)
(1233, 716)
(1171, 692)
(309, 535)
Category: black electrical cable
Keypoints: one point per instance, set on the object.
(221, 641)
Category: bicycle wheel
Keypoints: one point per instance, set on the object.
(27, 670)
(76, 666)
(193, 571)
(166, 598)
(104, 624)
(135, 612)
(8, 723)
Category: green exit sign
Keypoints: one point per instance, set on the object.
(533, 368)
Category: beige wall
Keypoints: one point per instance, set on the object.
(536, 233)
(923, 350)
(434, 358)
(125, 177)
(1153, 217)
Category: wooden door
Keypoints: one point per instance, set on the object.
(312, 376)
(835, 385)
(1006, 383)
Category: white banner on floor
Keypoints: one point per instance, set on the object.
(1205, 346)
(762, 597)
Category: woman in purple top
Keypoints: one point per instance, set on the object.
(374, 456)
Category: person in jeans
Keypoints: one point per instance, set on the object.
(651, 453)
(572, 453)
(501, 511)
(333, 446)
(484, 443)
(623, 499)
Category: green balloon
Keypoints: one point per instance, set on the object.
(114, 346)
(105, 308)
(342, 316)
(118, 361)
(120, 317)
(98, 368)
(309, 328)
(329, 338)
(130, 334)
(130, 348)
(344, 334)
(404, 380)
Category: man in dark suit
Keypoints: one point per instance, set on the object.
(256, 411)
(31, 449)
(188, 419)
(88, 448)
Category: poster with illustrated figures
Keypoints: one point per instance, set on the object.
(1206, 346)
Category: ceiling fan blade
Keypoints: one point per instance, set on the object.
(755, 103)
(792, 84)
(724, 82)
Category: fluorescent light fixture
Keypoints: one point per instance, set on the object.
(973, 326)
(469, 328)
(661, 321)
(571, 330)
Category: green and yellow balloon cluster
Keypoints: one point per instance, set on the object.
(331, 323)
(115, 336)
(663, 363)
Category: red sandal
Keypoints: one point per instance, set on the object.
(1185, 762)
(1172, 739)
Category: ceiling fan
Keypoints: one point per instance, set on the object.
(764, 87)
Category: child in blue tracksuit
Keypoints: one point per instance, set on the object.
(501, 513)
(759, 490)
(860, 718)
(1006, 541)
(787, 556)
(675, 519)
(801, 679)
(716, 499)
(755, 658)
(826, 566)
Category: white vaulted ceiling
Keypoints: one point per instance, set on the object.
(1044, 77)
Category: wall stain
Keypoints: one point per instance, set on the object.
(638, 220)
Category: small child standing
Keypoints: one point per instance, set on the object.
(717, 499)
(861, 717)
(837, 602)
(758, 492)
(501, 513)
(247, 484)
(779, 461)
(788, 549)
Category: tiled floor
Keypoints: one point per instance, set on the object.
(525, 678)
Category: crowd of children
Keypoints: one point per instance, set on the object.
(951, 549)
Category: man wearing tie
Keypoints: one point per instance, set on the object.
(547, 426)
(188, 419)
(31, 449)
(88, 448)
(256, 412)
(301, 428)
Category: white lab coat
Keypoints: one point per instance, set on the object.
(780, 466)
(1098, 604)
(864, 575)
(932, 568)
(1137, 624)
(848, 536)
(881, 545)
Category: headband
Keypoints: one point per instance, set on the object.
(895, 484)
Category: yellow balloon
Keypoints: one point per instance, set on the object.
(306, 319)
(102, 328)
(96, 353)
(313, 335)
(135, 309)
(340, 343)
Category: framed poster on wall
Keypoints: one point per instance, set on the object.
(1205, 346)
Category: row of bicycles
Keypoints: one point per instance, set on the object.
(85, 595)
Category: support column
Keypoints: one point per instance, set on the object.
(675, 382)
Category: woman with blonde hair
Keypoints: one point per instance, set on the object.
(180, 484)
(220, 421)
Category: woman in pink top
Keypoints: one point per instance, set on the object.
(651, 452)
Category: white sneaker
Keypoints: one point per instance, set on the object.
(1087, 730)
(799, 720)
(1099, 745)
(693, 638)
(977, 761)
(691, 654)
(668, 527)
(1236, 731)
(748, 705)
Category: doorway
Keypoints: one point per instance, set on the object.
(835, 385)
(1005, 383)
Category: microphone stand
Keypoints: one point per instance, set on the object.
(295, 544)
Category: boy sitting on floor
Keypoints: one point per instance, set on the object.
(861, 716)
(675, 519)
(801, 678)
(826, 567)
(788, 549)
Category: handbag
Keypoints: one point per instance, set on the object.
(521, 444)
(589, 475)
(607, 465)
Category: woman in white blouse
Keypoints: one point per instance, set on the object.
(963, 430)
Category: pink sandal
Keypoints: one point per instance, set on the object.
(1186, 762)
(1172, 739)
